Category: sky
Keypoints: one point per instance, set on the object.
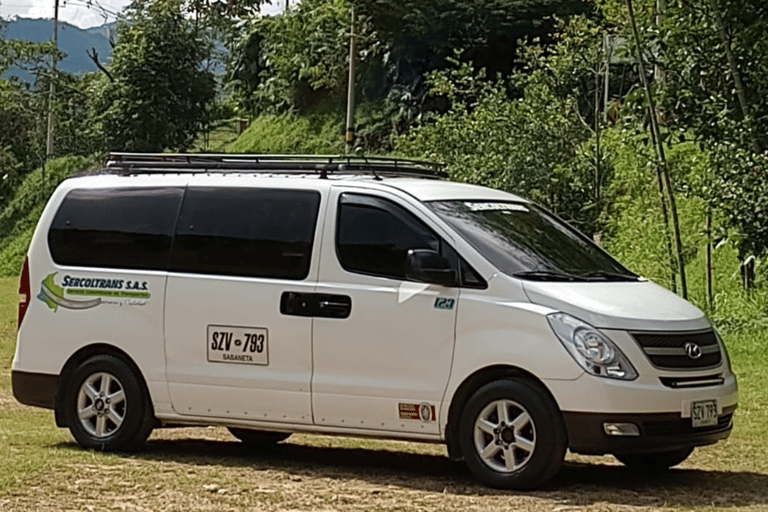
(86, 13)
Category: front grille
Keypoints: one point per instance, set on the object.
(668, 350)
(684, 426)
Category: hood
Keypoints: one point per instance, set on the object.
(633, 305)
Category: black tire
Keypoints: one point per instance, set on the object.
(653, 462)
(522, 452)
(106, 405)
(258, 438)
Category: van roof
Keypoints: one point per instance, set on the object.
(424, 181)
(431, 190)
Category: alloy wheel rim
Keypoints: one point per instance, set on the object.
(101, 405)
(505, 436)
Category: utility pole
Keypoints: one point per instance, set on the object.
(52, 90)
(286, 5)
(350, 137)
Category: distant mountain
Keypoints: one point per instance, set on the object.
(72, 40)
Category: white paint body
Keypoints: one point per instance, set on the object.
(349, 376)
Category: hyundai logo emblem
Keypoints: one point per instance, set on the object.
(692, 350)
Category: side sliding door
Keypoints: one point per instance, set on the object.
(230, 352)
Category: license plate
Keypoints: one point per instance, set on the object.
(704, 413)
(238, 345)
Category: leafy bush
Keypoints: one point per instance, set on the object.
(533, 146)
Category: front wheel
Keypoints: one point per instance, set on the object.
(652, 462)
(106, 406)
(512, 435)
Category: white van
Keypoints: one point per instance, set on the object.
(360, 297)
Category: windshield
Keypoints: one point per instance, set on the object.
(525, 241)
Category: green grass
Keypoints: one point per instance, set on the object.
(318, 133)
(8, 314)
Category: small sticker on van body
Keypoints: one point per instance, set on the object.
(444, 303)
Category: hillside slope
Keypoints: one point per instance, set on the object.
(19, 217)
(290, 134)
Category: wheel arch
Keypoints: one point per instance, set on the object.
(471, 384)
(82, 355)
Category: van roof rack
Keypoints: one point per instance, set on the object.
(162, 163)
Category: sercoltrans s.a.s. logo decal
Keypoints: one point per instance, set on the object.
(91, 292)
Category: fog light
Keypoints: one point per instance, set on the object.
(621, 429)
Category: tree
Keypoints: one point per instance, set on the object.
(157, 94)
(715, 61)
(298, 61)
(291, 62)
(534, 142)
(22, 106)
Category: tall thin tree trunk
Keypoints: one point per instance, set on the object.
(661, 154)
(709, 257)
(741, 92)
(598, 178)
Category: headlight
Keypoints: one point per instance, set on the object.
(594, 352)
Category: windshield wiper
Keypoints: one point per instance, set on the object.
(602, 275)
(547, 275)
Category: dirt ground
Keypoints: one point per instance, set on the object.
(205, 469)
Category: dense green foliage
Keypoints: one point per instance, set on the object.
(298, 61)
(157, 93)
(712, 58)
(535, 142)
(21, 110)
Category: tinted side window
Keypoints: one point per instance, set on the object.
(374, 236)
(117, 228)
(246, 232)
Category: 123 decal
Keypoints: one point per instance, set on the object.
(444, 303)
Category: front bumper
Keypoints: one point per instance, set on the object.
(658, 432)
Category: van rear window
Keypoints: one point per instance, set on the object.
(129, 228)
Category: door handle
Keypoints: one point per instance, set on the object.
(321, 305)
(335, 308)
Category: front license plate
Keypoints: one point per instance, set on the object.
(238, 345)
(704, 413)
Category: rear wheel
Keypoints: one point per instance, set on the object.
(258, 437)
(654, 461)
(512, 435)
(106, 406)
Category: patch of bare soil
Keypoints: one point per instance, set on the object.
(205, 469)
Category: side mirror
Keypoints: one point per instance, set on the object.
(426, 266)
